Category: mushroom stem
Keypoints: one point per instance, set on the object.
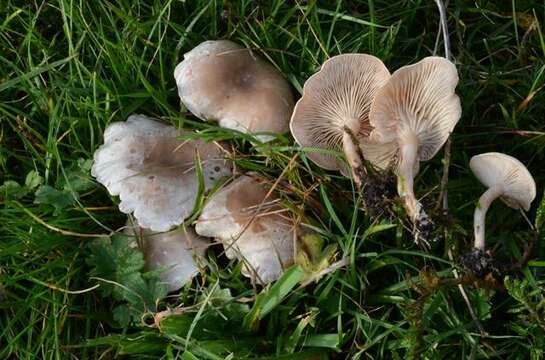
(405, 177)
(353, 156)
(480, 213)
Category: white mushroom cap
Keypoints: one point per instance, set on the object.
(250, 228)
(223, 81)
(519, 187)
(418, 101)
(173, 252)
(153, 172)
(337, 96)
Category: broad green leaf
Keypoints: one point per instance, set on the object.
(59, 199)
(33, 180)
(122, 315)
(78, 178)
(11, 190)
(119, 266)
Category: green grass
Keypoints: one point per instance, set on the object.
(69, 68)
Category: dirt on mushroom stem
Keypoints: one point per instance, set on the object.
(378, 193)
(422, 224)
(483, 264)
(379, 190)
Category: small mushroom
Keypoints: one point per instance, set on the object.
(506, 178)
(225, 82)
(172, 253)
(333, 113)
(153, 172)
(412, 117)
(253, 228)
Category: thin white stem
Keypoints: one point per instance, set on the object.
(480, 213)
(443, 194)
(351, 152)
(405, 177)
(444, 26)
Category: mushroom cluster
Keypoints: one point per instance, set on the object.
(153, 168)
(353, 104)
(379, 121)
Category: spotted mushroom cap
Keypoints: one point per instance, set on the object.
(225, 82)
(496, 168)
(153, 172)
(252, 228)
(173, 253)
(417, 102)
(337, 96)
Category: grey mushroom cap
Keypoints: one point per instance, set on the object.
(172, 253)
(153, 172)
(252, 227)
(225, 82)
(337, 96)
(519, 187)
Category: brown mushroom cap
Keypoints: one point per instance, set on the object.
(519, 187)
(417, 102)
(172, 252)
(337, 96)
(153, 172)
(223, 81)
(252, 227)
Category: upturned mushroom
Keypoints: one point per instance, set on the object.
(252, 227)
(225, 82)
(506, 178)
(171, 253)
(153, 172)
(412, 117)
(333, 113)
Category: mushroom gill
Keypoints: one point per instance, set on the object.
(333, 113)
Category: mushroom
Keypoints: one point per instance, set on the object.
(506, 178)
(172, 253)
(412, 117)
(153, 172)
(252, 227)
(225, 82)
(333, 113)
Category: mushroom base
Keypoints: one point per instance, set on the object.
(481, 264)
(376, 195)
(423, 226)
